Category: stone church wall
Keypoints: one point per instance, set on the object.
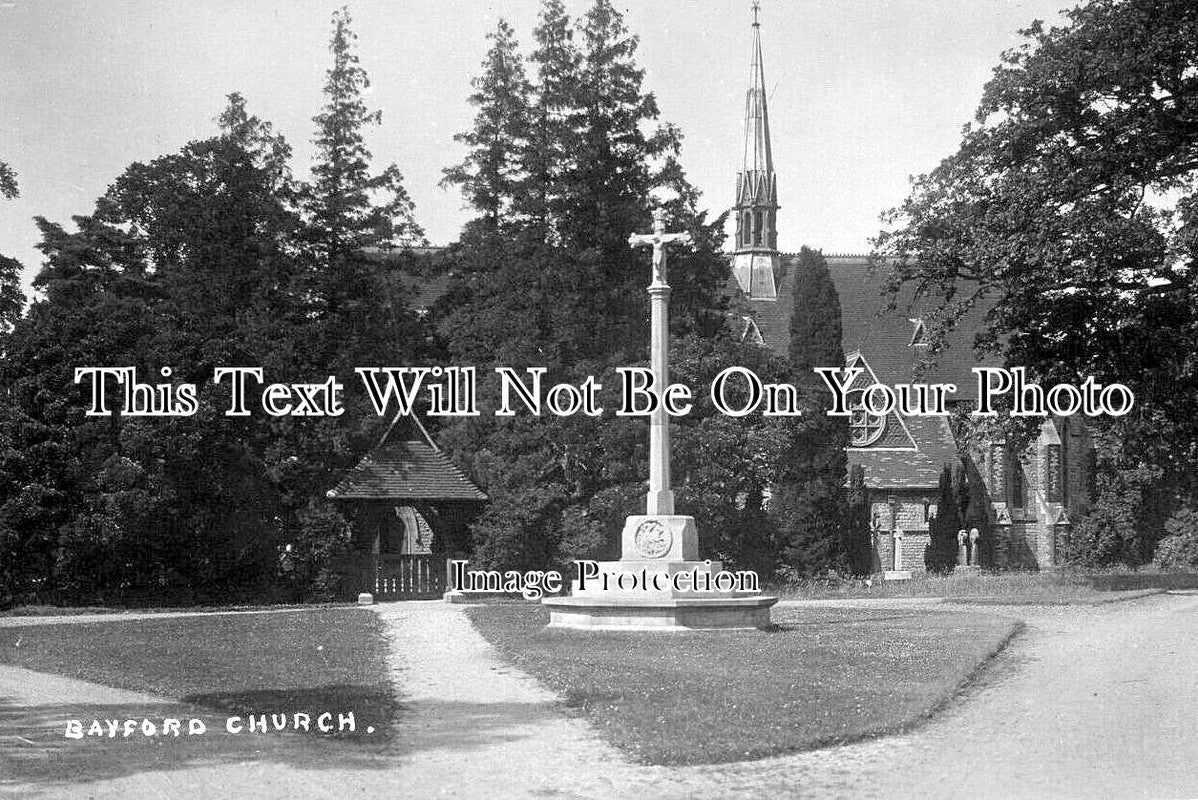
(914, 509)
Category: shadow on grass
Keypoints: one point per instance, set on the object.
(34, 748)
(1122, 582)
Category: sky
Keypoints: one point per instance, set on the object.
(863, 94)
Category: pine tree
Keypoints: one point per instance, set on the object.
(492, 176)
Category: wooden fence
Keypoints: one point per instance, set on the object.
(410, 577)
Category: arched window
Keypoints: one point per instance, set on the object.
(864, 428)
(758, 228)
(746, 228)
(1018, 485)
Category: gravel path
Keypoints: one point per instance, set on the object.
(1091, 702)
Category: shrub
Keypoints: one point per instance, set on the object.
(1179, 548)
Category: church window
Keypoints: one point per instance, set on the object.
(864, 428)
(746, 228)
(757, 227)
(1018, 485)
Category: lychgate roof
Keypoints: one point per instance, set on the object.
(406, 465)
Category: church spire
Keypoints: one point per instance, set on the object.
(756, 249)
(758, 157)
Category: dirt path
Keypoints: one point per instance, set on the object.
(1091, 702)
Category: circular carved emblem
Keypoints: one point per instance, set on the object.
(653, 539)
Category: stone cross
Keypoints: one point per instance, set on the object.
(658, 240)
(660, 500)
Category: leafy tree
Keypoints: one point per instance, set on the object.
(1069, 213)
(492, 176)
(1179, 548)
(183, 265)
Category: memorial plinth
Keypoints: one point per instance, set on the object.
(659, 583)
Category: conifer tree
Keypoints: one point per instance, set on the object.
(350, 207)
(811, 501)
(859, 545)
(563, 290)
(941, 552)
(492, 176)
(550, 152)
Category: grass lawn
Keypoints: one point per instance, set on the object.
(329, 659)
(824, 676)
(1063, 586)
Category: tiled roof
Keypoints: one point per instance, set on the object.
(406, 465)
(906, 468)
(884, 339)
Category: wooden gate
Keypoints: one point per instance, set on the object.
(410, 577)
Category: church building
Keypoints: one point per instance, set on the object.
(1030, 497)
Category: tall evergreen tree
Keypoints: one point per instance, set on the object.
(492, 176)
(185, 265)
(941, 552)
(811, 496)
(859, 544)
(550, 153)
(563, 290)
(348, 206)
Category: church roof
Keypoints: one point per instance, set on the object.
(406, 465)
(887, 338)
(914, 450)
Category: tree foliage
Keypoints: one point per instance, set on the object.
(1069, 215)
(556, 285)
(493, 175)
(941, 552)
(8, 181)
(12, 300)
(810, 502)
(210, 256)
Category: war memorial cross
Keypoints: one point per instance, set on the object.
(660, 499)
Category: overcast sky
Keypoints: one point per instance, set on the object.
(863, 94)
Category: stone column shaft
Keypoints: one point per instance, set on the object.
(660, 500)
